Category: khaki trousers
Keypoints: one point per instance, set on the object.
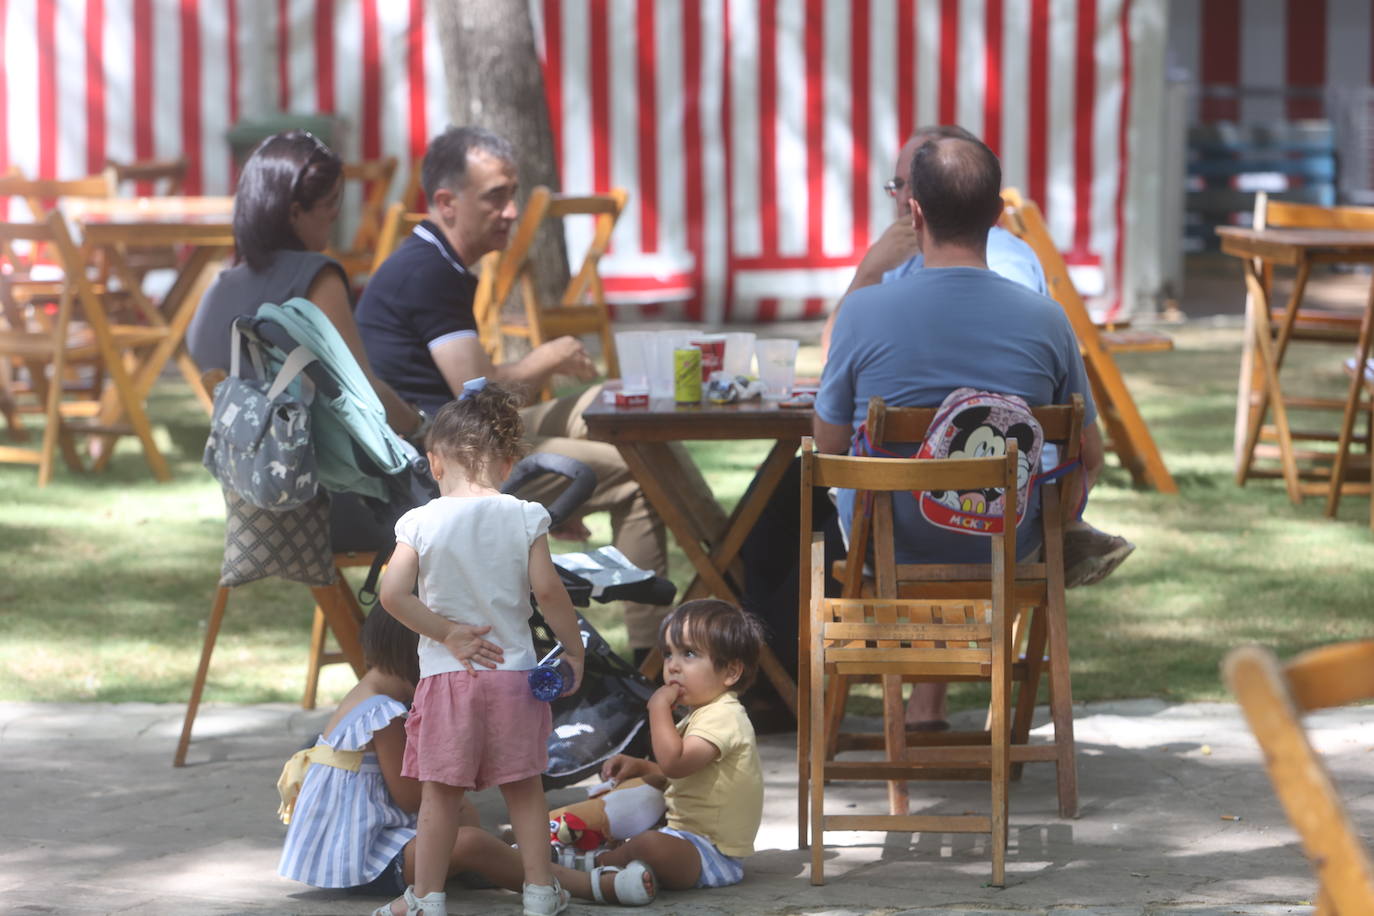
(557, 427)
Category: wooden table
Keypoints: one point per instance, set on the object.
(202, 228)
(649, 439)
(1259, 250)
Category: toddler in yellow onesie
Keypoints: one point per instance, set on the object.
(714, 795)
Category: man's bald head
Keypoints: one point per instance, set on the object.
(957, 182)
(902, 170)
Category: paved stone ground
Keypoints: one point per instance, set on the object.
(96, 820)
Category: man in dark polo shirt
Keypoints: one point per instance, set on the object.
(420, 333)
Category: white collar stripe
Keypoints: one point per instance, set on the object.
(430, 237)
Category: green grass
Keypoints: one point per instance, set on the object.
(106, 580)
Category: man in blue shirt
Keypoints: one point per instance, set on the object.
(897, 252)
(951, 324)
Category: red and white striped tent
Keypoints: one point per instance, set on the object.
(753, 135)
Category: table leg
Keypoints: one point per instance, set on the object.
(1352, 407)
(748, 510)
(1271, 394)
(655, 467)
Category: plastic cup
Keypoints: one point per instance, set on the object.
(777, 367)
(739, 353)
(635, 350)
(661, 364)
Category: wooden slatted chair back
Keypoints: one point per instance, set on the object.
(891, 637)
(156, 177)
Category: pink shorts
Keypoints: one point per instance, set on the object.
(476, 730)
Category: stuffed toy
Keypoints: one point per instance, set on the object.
(619, 813)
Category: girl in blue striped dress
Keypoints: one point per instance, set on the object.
(352, 823)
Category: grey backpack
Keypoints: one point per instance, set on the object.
(260, 445)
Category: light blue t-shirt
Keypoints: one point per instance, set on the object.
(912, 341)
(1007, 255)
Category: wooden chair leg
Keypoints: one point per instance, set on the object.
(198, 685)
(345, 620)
(894, 738)
(836, 699)
(316, 661)
(1061, 693)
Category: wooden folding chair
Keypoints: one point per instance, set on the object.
(1274, 698)
(1128, 435)
(1039, 616)
(54, 346)
(151, 177)
(319, 629)
(890, 636)
(582, 307)
(397, 223)
(1284, 325)
(375, 176)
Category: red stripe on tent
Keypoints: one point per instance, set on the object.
(729, 138)
(858, 105)
(906, 71)
(1306, 39)
(640, 284)
(324, 55)
(95, 86)
(283, 55)
(47, 90)
(553, 75)
(768, 125)
(1220, 52)
(814, 307)
(415, 56)
(143, 81)
(691, 135)
(1085, 84)
(190, 94)
(233, 42)
(949, 60)
(815, 126)
(1038, 104)
(600, 61)
(648, 130)
(372, 82)
(992, 77)
(768, 309)
(1122, 162)
(4, 112)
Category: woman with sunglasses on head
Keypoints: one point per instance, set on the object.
(284, 211)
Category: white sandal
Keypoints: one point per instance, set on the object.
(568, 857)
(431, 904)
(544, 899)
(628, 884)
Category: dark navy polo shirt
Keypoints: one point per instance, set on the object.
(419, 298)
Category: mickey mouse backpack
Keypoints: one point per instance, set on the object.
(977, 424)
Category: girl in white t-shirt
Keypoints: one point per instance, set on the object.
(477, 554)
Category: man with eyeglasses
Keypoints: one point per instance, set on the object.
(897, 253)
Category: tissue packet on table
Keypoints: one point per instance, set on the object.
(603, 568)
(727, 389)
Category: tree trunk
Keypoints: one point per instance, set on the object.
(494, 81)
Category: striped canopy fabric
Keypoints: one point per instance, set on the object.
(754, 136)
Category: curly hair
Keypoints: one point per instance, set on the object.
(479, 430)
(721, 630)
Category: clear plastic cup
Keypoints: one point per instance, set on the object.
(777, 367)
(661, 365)
(634, 349)
(739, 353)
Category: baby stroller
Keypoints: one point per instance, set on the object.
(358, 453)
